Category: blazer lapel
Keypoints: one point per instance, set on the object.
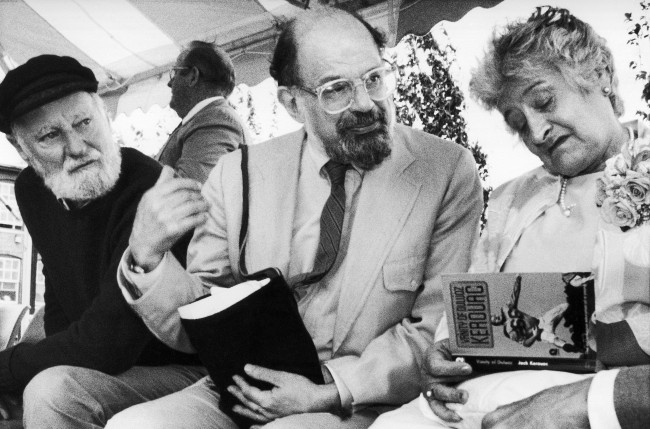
(541, 194)
(386, 199)
(171, 142)
(273, 191)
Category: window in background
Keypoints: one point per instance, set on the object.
(9, 278)
(9, 219)
(40, 284)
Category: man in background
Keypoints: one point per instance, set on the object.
(78, 198)
(201, 81)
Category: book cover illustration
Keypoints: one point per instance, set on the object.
(501, 321)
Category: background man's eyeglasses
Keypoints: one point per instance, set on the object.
(174, 70)
(338, 95)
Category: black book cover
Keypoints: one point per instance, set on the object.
(263, 329)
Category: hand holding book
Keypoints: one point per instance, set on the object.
(441, 375)
(291, 394)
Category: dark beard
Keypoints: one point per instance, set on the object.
(366, 151)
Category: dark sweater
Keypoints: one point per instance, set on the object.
(87, 321)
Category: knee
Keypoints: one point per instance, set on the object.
(53, 395)
(50, 388)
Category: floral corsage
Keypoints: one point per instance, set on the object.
(624, 190)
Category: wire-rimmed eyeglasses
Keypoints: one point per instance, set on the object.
(174, 70)
(338, 95)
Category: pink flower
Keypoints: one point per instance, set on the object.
(623, 192)
(639, 145)
(638, 188)
(643, 167)
(642, 156)
(620, 213)
(615, 169)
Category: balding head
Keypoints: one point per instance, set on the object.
(332, 23)
(332, 78)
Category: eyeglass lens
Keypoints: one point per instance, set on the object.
(338, 95)
(174, 70)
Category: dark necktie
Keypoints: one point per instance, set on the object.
(331, 224)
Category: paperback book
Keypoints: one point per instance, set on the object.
(514, 321)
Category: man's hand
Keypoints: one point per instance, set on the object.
(167, 211)
(291, 394)
(554, 408)
(437, 373)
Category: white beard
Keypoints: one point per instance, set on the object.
(90, 182)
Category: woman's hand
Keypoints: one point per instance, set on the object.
(438, 373)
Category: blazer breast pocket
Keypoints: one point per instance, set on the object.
(404, 274)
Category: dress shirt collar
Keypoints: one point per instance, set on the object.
(198, 106)
(316, 153)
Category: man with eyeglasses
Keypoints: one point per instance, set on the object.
(201, 81)
(360, 215)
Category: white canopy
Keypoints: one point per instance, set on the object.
(131, 44)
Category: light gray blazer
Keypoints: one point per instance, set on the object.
(417, 216)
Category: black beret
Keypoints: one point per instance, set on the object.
(39, 81)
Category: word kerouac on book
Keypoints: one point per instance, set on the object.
(512, 321)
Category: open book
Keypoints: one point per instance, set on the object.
(511, 321)
(253, 322)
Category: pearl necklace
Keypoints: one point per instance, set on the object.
(566, 210)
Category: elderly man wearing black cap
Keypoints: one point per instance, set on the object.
(78, 198)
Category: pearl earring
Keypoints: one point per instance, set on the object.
(606, 91)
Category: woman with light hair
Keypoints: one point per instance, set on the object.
(553, 80)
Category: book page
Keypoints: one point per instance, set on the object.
(219, 299)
